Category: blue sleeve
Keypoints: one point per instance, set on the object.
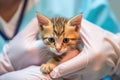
(2, 42)
(99, 12)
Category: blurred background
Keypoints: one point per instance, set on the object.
(115, 5)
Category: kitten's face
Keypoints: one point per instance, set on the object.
(59, 34)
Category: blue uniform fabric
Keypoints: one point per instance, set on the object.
(96, 11)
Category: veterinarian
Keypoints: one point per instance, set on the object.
(19, 52)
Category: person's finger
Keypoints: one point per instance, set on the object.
(31, 30)
(39, 44)
(32, 26)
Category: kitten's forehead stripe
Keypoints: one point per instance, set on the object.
(59, 24)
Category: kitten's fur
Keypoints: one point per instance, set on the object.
(60, 35)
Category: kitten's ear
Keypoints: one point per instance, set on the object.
(42, 19)
(76, 21)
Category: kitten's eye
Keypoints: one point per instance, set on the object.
(51, 40)
(65, 40)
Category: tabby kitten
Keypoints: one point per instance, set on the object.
(60, 35)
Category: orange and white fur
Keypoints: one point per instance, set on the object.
(60, 35)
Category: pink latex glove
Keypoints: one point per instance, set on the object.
(23, 50)
(99, 57)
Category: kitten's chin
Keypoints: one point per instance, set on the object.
(58, 53)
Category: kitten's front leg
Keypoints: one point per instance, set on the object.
(49, 66)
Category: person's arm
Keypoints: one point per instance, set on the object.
(5, 63)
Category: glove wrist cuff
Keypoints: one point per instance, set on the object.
(5, 63)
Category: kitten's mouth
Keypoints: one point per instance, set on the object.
(58, 53)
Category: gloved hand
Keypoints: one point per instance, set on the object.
(23, 50)
(30, 73)
(99, 57)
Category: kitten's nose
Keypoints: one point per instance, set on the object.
(58, 46)
(58, 49)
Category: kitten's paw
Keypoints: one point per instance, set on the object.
(47, 68)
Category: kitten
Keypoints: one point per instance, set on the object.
(60, 35)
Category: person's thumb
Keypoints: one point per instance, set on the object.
(31, 30)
